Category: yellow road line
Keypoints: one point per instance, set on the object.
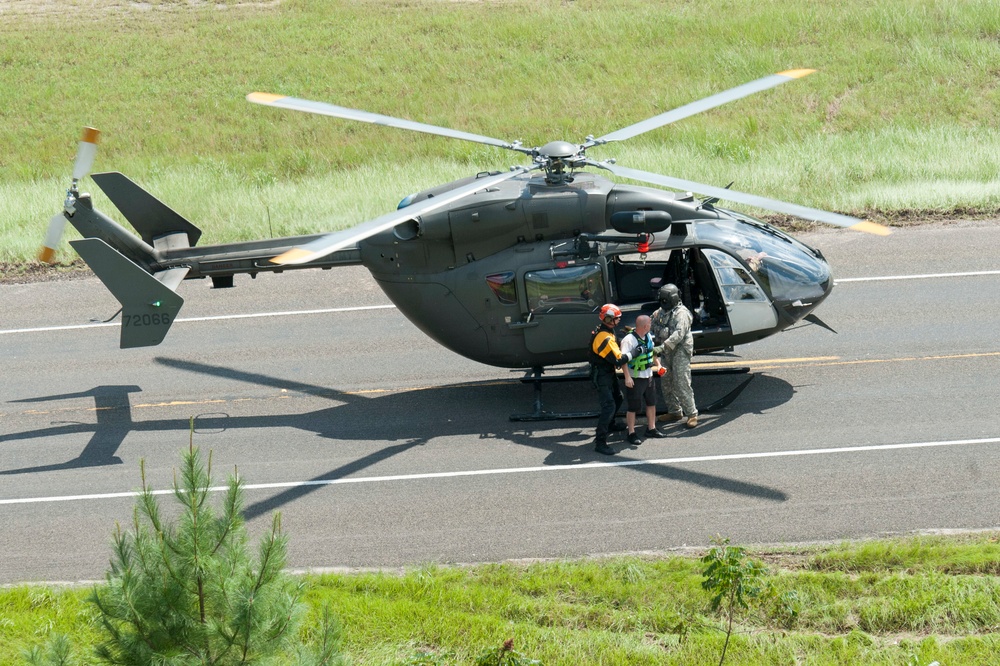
(820, 361)
(773, 361)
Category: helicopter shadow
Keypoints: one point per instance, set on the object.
(721, 399)
(417, 417)
(751, 393)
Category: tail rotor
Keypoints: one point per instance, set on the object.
(85, 154)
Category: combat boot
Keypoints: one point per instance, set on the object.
(668, 418)
(692, 421)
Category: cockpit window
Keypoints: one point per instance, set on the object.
(734, 280)
(785, 267)
(571, 289)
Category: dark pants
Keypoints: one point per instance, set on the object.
(609, 395)
(643, 391)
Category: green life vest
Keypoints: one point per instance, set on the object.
(643, 353)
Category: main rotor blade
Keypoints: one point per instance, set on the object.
(337, 240)
(702, 105)
(813, 214)
(323, 109)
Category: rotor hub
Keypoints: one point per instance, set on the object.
(555, 150)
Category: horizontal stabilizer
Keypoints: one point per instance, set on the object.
(151, 217)
(149, 306)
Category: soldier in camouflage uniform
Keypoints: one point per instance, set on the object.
(671, 326)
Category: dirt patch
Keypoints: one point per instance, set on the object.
(12, 273)
(96, 7)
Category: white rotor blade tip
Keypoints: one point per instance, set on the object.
(86, 152)
(52, 237)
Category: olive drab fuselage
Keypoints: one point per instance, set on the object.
(438, 270)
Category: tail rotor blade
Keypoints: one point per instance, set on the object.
(86, 152)
(52, 237)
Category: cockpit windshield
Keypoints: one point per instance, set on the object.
(787, 268)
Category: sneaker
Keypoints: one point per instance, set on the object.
(692, 421)
(633, 439)
(654, 434)
(668, 418)
(602, 447)
(617, 427)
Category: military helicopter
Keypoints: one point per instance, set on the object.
(507, 268)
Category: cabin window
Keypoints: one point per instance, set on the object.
(570, 289)
(503, 287)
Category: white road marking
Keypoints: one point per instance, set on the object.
(290, 313)
(530, 470)
(915, 277)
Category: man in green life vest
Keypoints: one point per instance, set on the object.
(639, 386)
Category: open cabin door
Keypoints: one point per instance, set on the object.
(562, 304)
(747, 306)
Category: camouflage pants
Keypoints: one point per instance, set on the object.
(676, 384)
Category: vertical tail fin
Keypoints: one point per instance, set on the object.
(148, 215)
(149, 303)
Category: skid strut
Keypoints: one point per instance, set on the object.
(539, 413)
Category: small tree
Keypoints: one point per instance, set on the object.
(192, 593)
(57, 652)
(735, 580)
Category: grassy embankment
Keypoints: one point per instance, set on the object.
(906, 602)
(901, 117)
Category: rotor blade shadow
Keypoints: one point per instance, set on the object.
(714, 482)
(564, 454)
(290, 495)
(254, 378)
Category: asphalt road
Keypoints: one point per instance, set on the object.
(382, 449)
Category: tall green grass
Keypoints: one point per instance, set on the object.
(905, 601)
(902, 115)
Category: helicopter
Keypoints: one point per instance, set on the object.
(507, 268)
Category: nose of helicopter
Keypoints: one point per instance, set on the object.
(802, 298)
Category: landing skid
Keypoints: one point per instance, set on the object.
(736, 370)
(534, 376)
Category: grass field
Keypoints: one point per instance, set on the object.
(908, 602)
(900, 118)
